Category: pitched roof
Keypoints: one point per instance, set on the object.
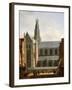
(49, 44)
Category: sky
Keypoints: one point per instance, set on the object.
(51, 24)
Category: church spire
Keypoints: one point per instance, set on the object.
(37, 31)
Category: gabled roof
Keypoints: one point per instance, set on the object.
(28, 37)
(49, 44)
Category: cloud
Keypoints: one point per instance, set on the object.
(52, 35)
(51, 24)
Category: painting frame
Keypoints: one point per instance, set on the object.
(12, 40)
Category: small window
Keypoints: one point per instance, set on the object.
(50, 63)
(45, 63)
(46, 52)
(56, 52)
(40, 52)
(38, 63)
(51, 52)
(29, 46)
(55, 63)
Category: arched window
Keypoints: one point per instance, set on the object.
(45, 63)
(56, 52)
(49, 63)
(40, 52)
(55, 63)
(51, 52)
(46, 52)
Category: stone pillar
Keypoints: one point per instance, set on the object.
(24, 51)
(36, 53)
(33, 55)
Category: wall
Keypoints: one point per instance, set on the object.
(4, 43)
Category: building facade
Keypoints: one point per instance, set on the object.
(48, 54)
(37, 53)
(28, 49)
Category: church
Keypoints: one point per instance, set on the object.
(33, 52)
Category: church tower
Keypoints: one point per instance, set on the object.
(37, 32)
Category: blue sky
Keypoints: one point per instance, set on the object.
(51, 24)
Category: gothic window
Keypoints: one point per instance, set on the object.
(41, 52)
(28, 58)
(45, 63)
(50, 63)
(51, 52)
(38, 63)
(46, 52)
(56, 51)
(29, 46)
(55, 63)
